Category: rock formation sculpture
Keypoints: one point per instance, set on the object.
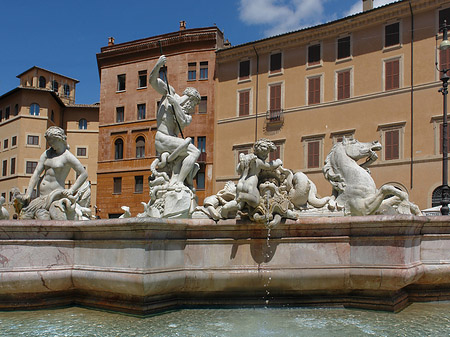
(53, 200)
(354, 187)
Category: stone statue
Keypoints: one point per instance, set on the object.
(4, 214)
(353, 186)
(266, 192)
(172, 192)
(54, 201)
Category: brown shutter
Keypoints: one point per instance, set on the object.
(314, 90)
(313, 154)
(244, 103)
(275, 97)
(392, 74)
(391, 145)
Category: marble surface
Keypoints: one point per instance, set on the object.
(142, 265)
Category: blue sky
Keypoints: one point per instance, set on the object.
(64, 36)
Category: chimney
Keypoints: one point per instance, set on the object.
(182, 25)
(367, 5)
(110, 41)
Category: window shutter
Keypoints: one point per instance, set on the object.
(244, 103)
(313, 154)
(314, 90)
(275, 97)
(391, 145)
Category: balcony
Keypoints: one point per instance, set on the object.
(274, 115)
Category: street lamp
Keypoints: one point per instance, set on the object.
(445, 44)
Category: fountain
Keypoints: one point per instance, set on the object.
(268, 240)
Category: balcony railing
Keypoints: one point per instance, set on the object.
(274, 115)
(202, 157)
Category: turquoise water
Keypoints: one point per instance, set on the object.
(419, 319)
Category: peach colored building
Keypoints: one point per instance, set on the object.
(43, 99)
(371, 76)
(128, 112)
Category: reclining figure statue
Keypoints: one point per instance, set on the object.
(53, 200)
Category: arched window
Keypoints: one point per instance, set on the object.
(66, 90)
(436, 197)
(82, 124)
(140, 147)
(118, 149)
(55, 86)
(34, 109)
(16, 109)
(42, 82)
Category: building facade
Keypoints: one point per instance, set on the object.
(128, 106)
(370, 76)
(43, 99)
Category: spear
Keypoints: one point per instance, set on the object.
(164, 69)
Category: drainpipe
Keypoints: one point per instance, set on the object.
(257, 91)
(412, 97)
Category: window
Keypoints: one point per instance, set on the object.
(392, 74)
(244, 103)
(244, 70)
(5, 168)
(121, 82)
(200, 178)
(314, 90)
(140, 147)
(55, 86)
(343, 84)
(163, 74)
(313, 154)
(141, 111)
(42, 82)
(14, 141)
(32, 140)
(339, 136)
(343, 48)
(201, 145)
(7, 112)
(81, 152)
(274, 155)
(142, 81)
(392, 34)
(13, 166)
(66, 90)
(203, 105)
(192, 71)
(275, 98)
(275, 63)
(5, 144)
(391, 144)
(34, 109)
(204, 70)
(444, 15)
(117, 185)
(119, 114)
(52, 116)
(1, 115)
(118, 149)
(138, 184)
(82, 124)
(314, 54)
(30, 166)
(16, 109)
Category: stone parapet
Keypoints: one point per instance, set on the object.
(145, 265)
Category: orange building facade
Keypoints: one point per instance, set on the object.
(128, 106)
(370, 76)
(43, 99)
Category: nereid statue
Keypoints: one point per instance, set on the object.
(172, 192)
(266, 191)
(4, 214)
(54, 201)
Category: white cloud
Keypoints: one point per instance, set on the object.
(281, 15)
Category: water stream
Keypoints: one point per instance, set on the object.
(419, 319)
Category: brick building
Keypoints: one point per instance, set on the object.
(128, 107)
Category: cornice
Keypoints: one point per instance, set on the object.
(326, 30)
